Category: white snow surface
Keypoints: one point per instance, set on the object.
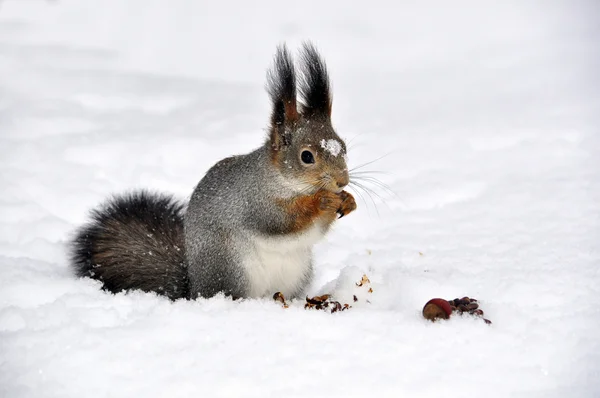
(483, 118)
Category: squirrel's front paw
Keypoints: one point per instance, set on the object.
(341, 203)
(348, 204)
(329, 201)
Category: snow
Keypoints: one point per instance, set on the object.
(332, 146)
(488, 115)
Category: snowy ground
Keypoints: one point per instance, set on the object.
(489, 117)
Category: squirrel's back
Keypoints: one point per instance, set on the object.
(134, 241)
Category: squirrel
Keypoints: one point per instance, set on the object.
(250, 225)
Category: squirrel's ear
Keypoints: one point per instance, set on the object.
(281, 85)
(314, 84)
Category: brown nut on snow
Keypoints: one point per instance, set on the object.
(437, 308)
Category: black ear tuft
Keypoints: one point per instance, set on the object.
(314, 84)
(281, 85)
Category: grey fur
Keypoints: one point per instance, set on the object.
(231, 206)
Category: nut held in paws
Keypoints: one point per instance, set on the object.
(437, 308)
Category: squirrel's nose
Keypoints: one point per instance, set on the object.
(342, 180)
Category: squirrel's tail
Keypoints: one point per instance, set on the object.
(134, 241)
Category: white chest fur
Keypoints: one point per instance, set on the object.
(280, 264)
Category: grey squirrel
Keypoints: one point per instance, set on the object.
(250, 226)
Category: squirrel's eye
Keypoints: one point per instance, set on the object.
(307, 157)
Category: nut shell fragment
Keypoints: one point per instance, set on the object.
(364, 280)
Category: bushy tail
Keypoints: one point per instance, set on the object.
(134, 241)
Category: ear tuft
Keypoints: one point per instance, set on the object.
(314, 84)
(281, 85)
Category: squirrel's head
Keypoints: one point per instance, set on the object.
(302, 142)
